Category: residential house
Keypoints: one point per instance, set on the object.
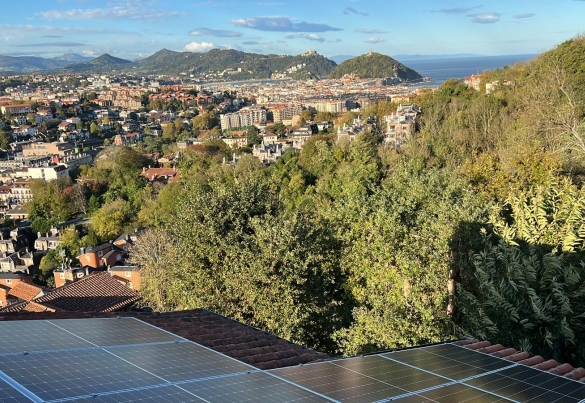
(127, 275)
(96, 292)
(163, 175)
(66, 275)
(25, 292)
(49, 241)
(9, 280)
(48, 172)
(92, 256)
(16, 109)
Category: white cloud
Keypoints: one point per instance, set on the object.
(485, 18)
(130, 11)
(215, 32)
(199, 46)
(375, 39)
(281, 24)
(371, 31)
(311, 37)
(524, 15)
(48, 30)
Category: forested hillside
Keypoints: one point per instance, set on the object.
(476, 227)
(375, 65)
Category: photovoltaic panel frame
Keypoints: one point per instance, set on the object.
(114, 331)
(178, 362)
(252, 387)
(449, 361)
(36, 335)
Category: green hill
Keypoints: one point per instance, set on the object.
(375, 65)
(236, 64)
(27, 64)
(103, 63)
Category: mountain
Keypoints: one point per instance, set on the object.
(235, 64)
(103, 63)
(29, 64)
(73, 58)
(223, 64)
(375, 65)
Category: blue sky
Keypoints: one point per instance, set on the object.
(137, 28)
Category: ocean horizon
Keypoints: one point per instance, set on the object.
(440, 70)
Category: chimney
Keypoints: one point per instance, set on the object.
(82, 249)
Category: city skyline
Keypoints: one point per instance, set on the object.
(134, 29)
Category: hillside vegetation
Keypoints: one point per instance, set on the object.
(375, 65)
(473, 228)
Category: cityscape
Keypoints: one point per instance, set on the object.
(248, 202)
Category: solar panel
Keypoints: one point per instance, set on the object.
(165, 394)
(113, 332)
(450, 361)
(126, 360)
(454, 393)
(10, 395)
(524, 384)
(253, 387)
(36, 335)
(364, 379)
(180, 361)
(57, 375)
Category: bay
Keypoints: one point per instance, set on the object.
(440, 70)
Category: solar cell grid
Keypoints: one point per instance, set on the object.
(180, 361)
(392, 373)
(449, 361)
(57, 375)
(338, 383)
(531, 389)
(10, 395)
(113, 332)
(36, 335)
(459, 393)
(166, 394)
(253, 387)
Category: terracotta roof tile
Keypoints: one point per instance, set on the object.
(25, 291)
(524, 358)
(98, 292)
(26, 306)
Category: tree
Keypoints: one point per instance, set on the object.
(527, 286)
(154, 252)
(253, 136)
(5, 139)
(398, 257)
(110, 219)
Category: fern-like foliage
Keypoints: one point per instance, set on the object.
(528, 286)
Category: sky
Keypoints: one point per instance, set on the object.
(133, 29)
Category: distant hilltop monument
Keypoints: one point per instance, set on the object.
(309, 53)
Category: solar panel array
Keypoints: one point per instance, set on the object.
(126, 360)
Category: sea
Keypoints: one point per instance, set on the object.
(440, 70)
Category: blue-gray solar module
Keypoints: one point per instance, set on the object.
(525, 384)
(10, 395)
(62, 374)
(114, 332)
(126, 360)
(363, 379)
(36, 335)
(450, 361)
(177, 362)
(253, 387)
(164, 394)
(453, 393)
